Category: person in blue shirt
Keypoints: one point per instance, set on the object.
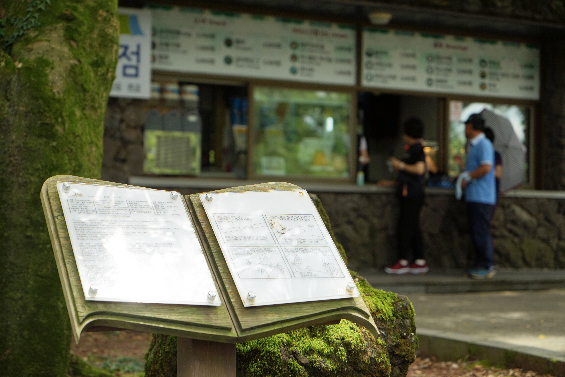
(478, 181)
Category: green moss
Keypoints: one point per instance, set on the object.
(345, 349)
(481, 363)
(80, 368)
(161, 358)
(337, 350)
(48, 126)
(379, 302)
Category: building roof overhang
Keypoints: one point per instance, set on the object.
(403, 16)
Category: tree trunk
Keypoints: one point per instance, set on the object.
(57, 65)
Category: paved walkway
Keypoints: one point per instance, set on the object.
(516, 318)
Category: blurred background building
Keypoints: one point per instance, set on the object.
(216, 94)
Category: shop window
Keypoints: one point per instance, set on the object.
(172, 130)
(520, 120)
(196, 129)
(301, 133)
(383, 116)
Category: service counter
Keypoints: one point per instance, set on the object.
(528, 226)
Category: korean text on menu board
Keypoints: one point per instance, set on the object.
(277, 248)
(237, 44)
(406, 60)
(135, 245)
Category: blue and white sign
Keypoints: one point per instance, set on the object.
(133, 73)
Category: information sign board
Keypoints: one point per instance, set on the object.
(129, 244)
(277, 247)
(407, 60)
(149, 260)
(238, 44)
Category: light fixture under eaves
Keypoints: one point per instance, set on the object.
(380, 18)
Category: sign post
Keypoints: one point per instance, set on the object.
(199, 358)
(213, 269)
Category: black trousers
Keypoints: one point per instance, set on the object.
(408, 232)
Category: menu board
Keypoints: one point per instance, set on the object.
(135, 245)
(237, 44)
(277, 247)
(406, 60)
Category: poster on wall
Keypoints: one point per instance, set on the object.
(407, 60)
(238, 44)
(133, 72)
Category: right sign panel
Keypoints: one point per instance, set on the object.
(277, 247)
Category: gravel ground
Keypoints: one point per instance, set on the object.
(97, 347)
(429, 368)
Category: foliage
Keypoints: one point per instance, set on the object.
(80, 368)
(123, 364)
(21, 25)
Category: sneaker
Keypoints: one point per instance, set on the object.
(492, 271)
(419, 267)
(400, 268)
(482, 273)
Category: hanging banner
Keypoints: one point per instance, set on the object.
(133, 72)
(237, 44)
(406, 60)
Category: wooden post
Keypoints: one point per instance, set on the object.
(203, 358)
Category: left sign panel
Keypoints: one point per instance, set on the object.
(135, 245)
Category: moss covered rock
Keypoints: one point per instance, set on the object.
(345, 349)
(337, 350)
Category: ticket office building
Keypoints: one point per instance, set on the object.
(277, 96)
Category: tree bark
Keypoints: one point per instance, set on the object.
(57, 64)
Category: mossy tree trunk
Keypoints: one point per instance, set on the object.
(57, 64)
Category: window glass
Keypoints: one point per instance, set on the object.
(301, 133)
(519, 117)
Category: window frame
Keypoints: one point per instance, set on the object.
(531, 136)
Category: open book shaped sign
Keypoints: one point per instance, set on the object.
(227, 266)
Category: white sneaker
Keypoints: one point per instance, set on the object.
(400, 268)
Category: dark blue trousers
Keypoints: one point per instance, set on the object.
(480, 215)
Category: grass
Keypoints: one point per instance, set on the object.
(119, 366)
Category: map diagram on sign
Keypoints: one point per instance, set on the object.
(296, 230)
(260, 263)
(277, 247)
(312, 262)
(244, 230)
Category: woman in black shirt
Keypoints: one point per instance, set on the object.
(410, 191)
